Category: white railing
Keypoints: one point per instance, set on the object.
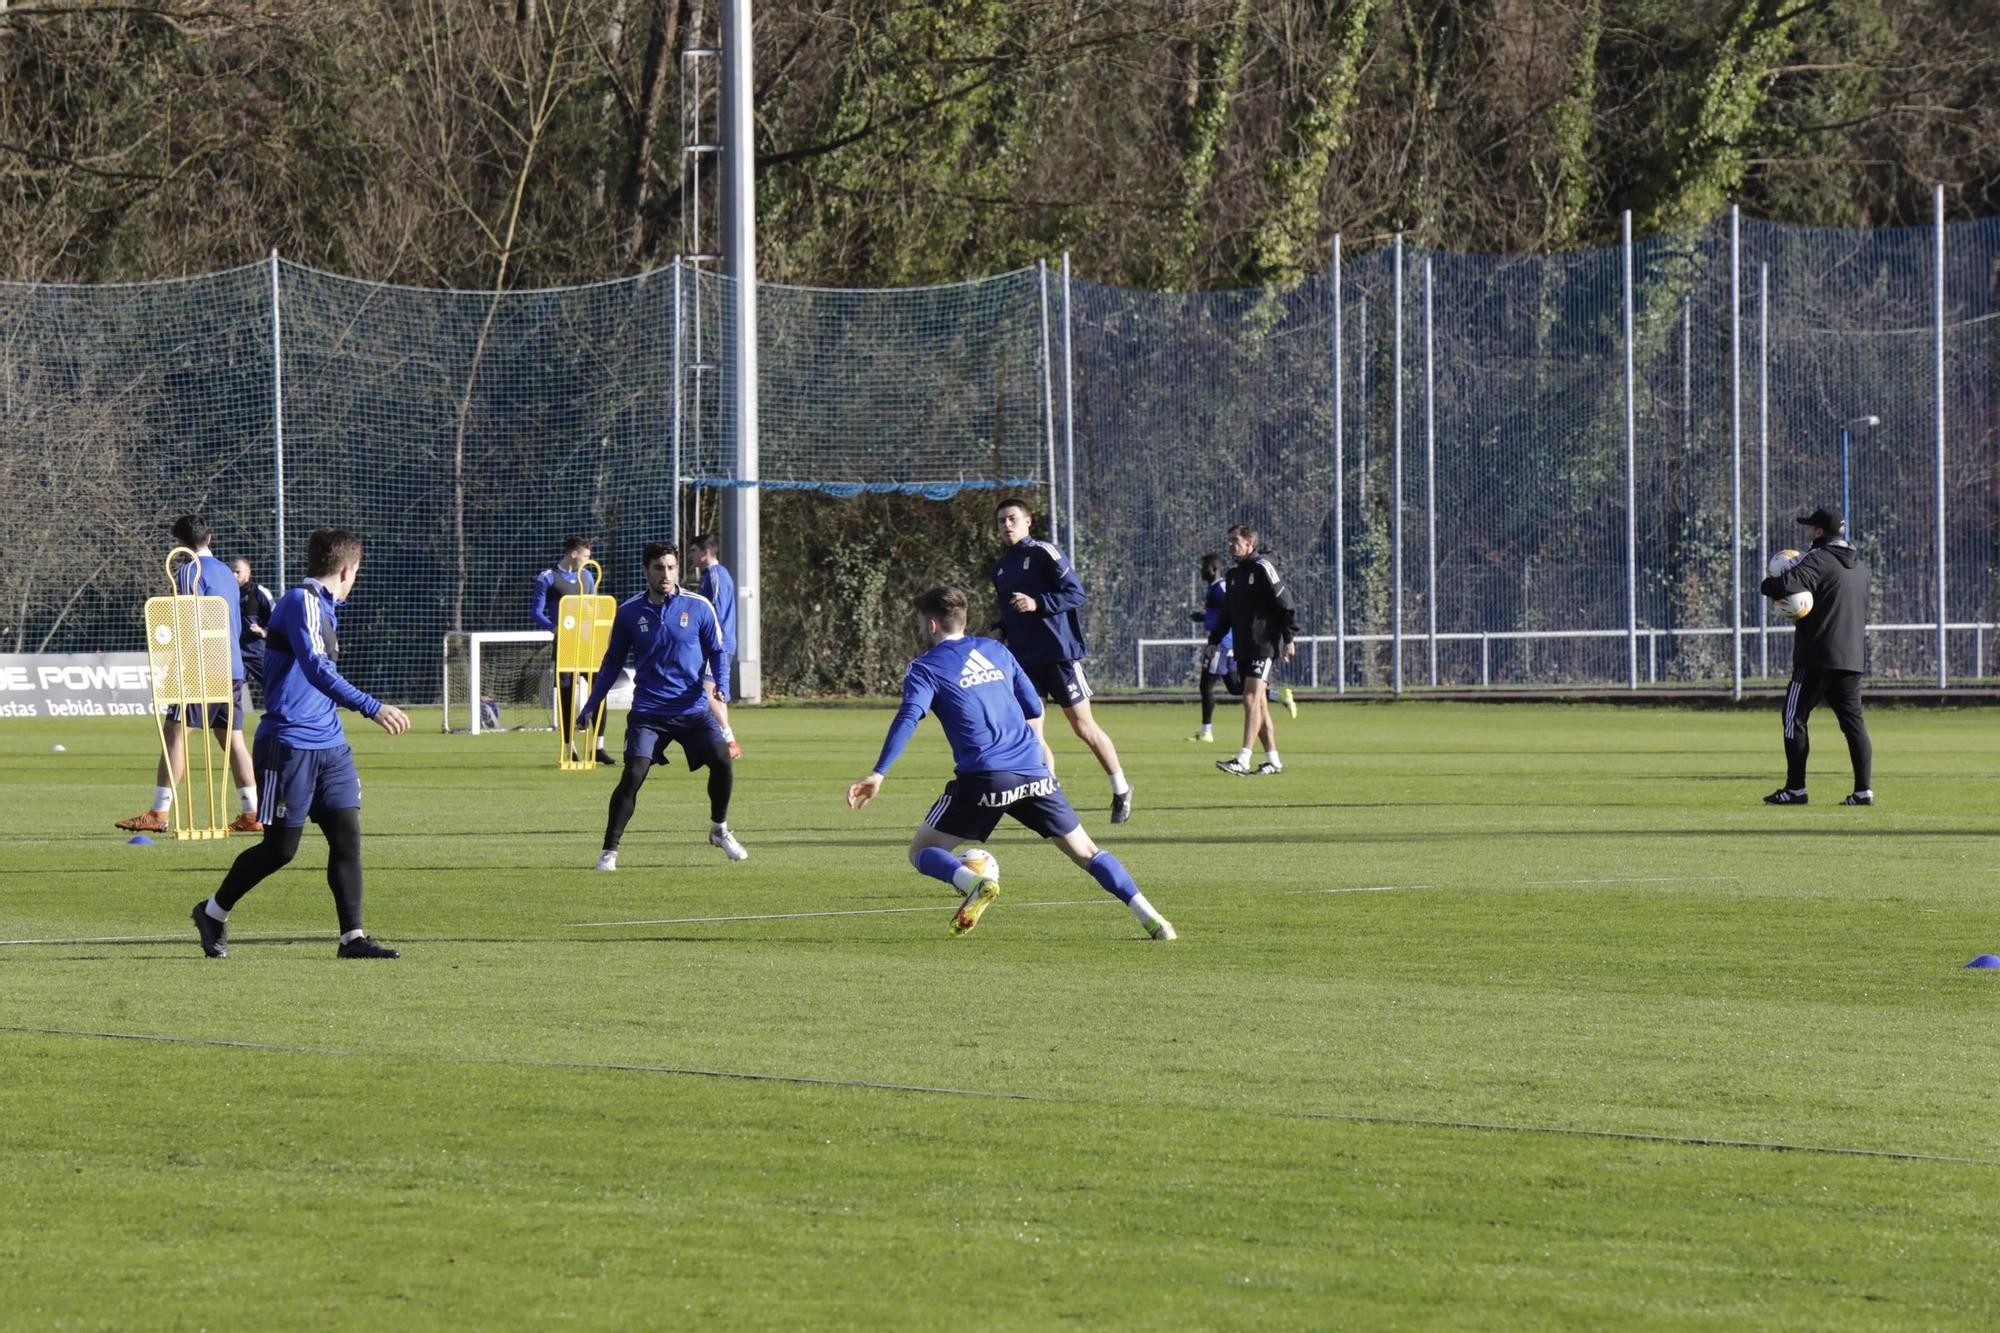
(1979, 629)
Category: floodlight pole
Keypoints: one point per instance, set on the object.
(1937, 315)
(1339, 507)
(1631, 467)
(1735, 452)
(1396, 494)
(741, 538)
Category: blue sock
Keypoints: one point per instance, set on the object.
(937, 863)
(1107, 870)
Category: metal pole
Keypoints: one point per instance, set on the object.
(278, 424)
(1048, 401)
(1339, 498)
(1361, 463)
(1736, 451)
(1937, 205)
(1069, 423)
(1631, 465)
(1763, 465)
(1430, 482)
(741, 534)
(1396, 492)
(1846, 499)
(674, 527)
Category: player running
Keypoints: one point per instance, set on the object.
(671, 636)
(1040, 601)
(1260, 616)
(1218, 664)
(306, 762)
(567, 577)
(986, 704)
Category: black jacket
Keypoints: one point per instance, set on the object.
(1257, 608)
(1833, 636)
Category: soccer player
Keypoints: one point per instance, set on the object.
(207, 577)
(565, 578)
(1218, 666)
(307, 764)
(253, 604)
(1827, 656)
(1258, 610)
(671, 634)
(985, 702)
(1040, 601)
(720, 589)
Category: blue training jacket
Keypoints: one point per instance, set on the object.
(205, 576)
(551, 586)
(670, 645)
(302, 686)
(1053, 631)
(720, 589)
(982, 700)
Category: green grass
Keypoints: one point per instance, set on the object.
(1586, 922)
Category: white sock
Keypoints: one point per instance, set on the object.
(1119, 786)
(214, 910)
(1207, 730)
(249, 795)
(163, 800)
(963, 879)
(718, 829)
(349, 936)
(1243, 757)
(1142, 909)
(1271, 756)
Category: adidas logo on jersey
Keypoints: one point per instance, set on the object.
(978, 671)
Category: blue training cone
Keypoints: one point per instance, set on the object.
(141, 840)
(1986, 961)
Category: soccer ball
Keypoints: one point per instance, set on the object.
(1781, 565)
(981, 863)
(1796, 607)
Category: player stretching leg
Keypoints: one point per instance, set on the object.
(1040, 602)
(985, 702)
(303, 755)
(1259, 612)
(671, 636)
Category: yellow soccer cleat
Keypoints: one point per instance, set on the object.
(982, 896)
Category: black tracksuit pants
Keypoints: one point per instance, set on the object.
(1841, 691)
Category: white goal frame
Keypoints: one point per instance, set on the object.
(474, 642)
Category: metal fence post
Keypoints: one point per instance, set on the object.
(674, 528)
(1339, 495)
(1069, 423)
(1048, 401)
(1396, 491)
(1430, 481)
(1631, 465)
(278, 424)
(1937, 209)
(1763, 465)
(1736, 451)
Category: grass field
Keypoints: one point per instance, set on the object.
(1480, 1016)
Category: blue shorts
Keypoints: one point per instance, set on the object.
(1061, 683)
(293, 784)
(721, 683)
(210, 715)
(973, 803)
(647, 736)
(1221, 661)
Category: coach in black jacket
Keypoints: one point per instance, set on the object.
(1827, 658)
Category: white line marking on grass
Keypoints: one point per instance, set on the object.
(183, 938)
(1370, 888)
(795, 916)
(515, 1062)
(1637, 879)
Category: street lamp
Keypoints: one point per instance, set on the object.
(1846, 500)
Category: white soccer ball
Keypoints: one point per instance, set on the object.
(981, 863)
(1796, 607)
(1781, 564)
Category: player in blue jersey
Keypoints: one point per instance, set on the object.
(565, 578)
(303, 754)
(671, 636)
(986, 703)
(253, 603)
(1218, 663)
(720, 589)
(1041, 603)
(208, 577)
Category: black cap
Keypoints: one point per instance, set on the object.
(1823, 517)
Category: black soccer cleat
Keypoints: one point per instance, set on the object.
(214, 934)
(1121, 806)
(1785, 796)
(1860, 798)
(604, 760)
(363, 947)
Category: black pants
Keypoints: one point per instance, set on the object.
(1841, 691)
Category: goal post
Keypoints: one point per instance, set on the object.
(506, 681)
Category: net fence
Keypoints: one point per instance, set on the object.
(1434, 445)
